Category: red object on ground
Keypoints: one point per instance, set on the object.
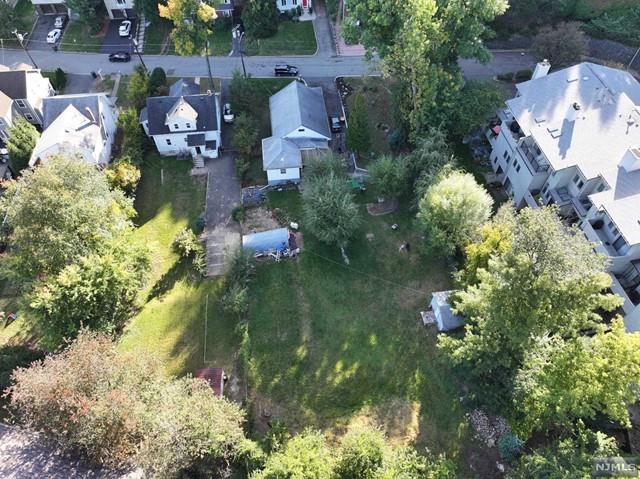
(215, 377)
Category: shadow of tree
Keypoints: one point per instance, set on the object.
(181, 270)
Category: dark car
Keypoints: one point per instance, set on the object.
(336, 126)
(120, 57)
(286, 71)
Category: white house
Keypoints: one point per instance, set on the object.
(81, 125)
(185, 122)
(572, 138)
(22, 91)
(286, 5)
(225, 8)
(115, 8)
(299, 127)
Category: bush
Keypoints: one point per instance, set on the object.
(523, 75)
(157, 81)
(186, 243)
(621, 24)
(238, 214)
(506, 76)
(246, 135)
(123, 174)
(59, 79)
(235, 299)
(242, 166)
(510, 447)
(562, 46)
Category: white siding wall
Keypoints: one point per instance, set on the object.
(179, 144)
(276, 176)
(284, 5)
(115, 5)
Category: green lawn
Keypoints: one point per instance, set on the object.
(219, 42)
(155, 36)
(171, 321)
(332, 345)
(292, 38)
(77, 37)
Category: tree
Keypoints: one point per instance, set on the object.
(361, 454)
(59, 79)
(84, 9)
(452, 209)
(358, 136)
(123, 174)
(192, 21)
(149, 8)
(305, 455)
(563, 380)
(389, 176)
(138, 89)
(562, 46)
(431, 153)
(9, 22)
(260, 18)
(98, 291)
(329, 210)
(23, 137)
(325, 164)
(477, 103)
(419, 44)
(158, 82)
(406, 463)
(133, 137)
(245, 137)
(548, 282)
(121, 410)
(60, 212)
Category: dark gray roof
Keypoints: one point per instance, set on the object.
(195, 140)
(144, 115)
(53, 106)
(204, 105)
(14, 84)
(184, 87)
(298, 105)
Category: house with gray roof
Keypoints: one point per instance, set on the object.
(184, 123)
(572, 138)
(82, 126)
(22, 91)
(299, 129)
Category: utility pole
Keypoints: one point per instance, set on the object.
(206, 54)
(20, 38)
(135, 44)
(244, 70)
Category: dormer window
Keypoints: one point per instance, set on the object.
(176, 126)
(189, 125)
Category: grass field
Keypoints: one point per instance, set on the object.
(77, 37)
(333, 345)
(171, 321)
(292, 38)
(155, 36)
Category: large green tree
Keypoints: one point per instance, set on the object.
(358, 135)
(420, 42)
(192, 24)
(477, 103)
(260, 18)
(120, 409)
(563, 45)
(548, 281)
(452, 210)
(389, 176)
(23, 137)
(59, 212)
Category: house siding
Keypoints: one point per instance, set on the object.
(286, 5)
(179, 145)
(276, 176)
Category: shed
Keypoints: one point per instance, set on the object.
(215, 377)
(446, 320)
(277, 239)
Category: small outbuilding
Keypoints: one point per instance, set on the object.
(216, 378)
(445, 319)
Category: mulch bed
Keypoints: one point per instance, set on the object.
(384, 208)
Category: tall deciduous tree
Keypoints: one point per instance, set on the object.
(59, 212)
(563, 45)
(9, 20)
(452, 209)
(121, 410)
(358, 135)
(260, 18)
(329, 209)
(85, 10)
(158, 82)
(389, 176)
(138, 89)
(192, 23)
(23, 137)
(477, 103)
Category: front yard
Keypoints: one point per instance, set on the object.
(292, 38)
(79, 37)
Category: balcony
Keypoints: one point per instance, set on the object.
(581, 206)
(560, 196)
(537, 162)
(599, 238)
(631, 298)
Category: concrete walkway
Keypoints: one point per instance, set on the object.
(324, 37)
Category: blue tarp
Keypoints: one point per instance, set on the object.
(267, 240)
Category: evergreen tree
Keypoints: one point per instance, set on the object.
(23, 137)
(358, 135)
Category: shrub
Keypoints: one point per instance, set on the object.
(238, 214)
(123, 174)
(186, 243)
(510, 447)
(59, 79)
(524, 74)
(242, 166)
(506, 76)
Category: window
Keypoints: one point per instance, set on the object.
(517, 165)
(188, 125)
(294, 2)
(600, 187)
(176, 126)
(494, 160)
(120, 2)
(578, 182)
(21, 103)
(619, 243)
(168, 141)
(504, 155)
(283, 3)
(546, 187)
(28, 116)
(283, 171)
(508, 159)
(300, 129)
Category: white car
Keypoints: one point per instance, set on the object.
(59, 21)
(227, 114)
(125, 28)
(54, 35)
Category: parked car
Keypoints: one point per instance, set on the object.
(227, 113)
(282, 70)
(54, 35)
(125, 28)
(336, 125)
(60, 21)
(120, 57)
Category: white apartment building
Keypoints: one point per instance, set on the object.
(572, 138)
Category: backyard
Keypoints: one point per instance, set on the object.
(292, 38)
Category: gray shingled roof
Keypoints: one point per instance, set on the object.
(53, 106)
(14, 84)
(159, 106)
(298, 105)
(278, 153)
(184, 87)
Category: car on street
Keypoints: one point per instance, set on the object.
(336, 125)
(60, 21)
(227, 114)
(120, 57)
(125, 28)
(54, 35)
(282, 70)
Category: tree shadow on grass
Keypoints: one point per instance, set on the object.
(181, 270)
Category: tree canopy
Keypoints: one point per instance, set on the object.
(23, 137)
(192, 23)
(358, 135)
(563, 45)
(389, 176)
(260, 18)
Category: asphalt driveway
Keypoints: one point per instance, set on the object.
(38, 38)
(113, 42)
